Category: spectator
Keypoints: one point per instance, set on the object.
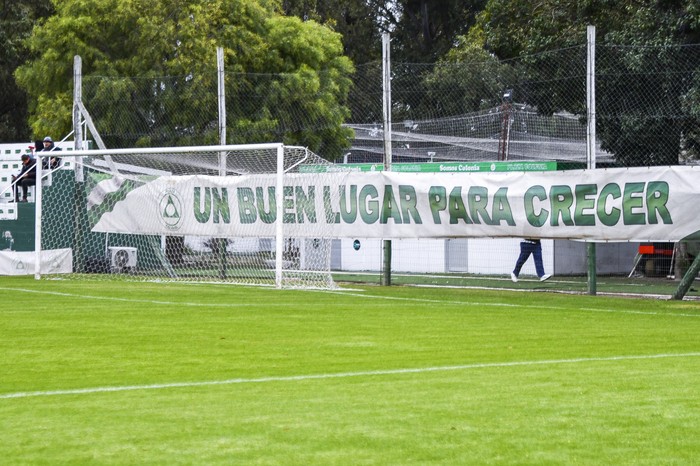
(527, 247)
(49, 146)
(25, 178)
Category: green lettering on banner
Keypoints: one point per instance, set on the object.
(561, 199)
(501, 208)
(611, 217)
(368, 203)
(632, 203)
(657, 197)
(389, 207)
(585, 200)
(478, 198)
(246, 205)
(457, 208)
(202, 213)
(348, 214)
(220, 207)
(288, 204)
(306, 204)
(268, 215)
(437, 198)
(331, 216)
(534, 218)
(407, 196)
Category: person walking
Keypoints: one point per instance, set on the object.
(529, 247)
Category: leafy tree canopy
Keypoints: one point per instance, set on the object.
(16, 21)
(355, 20)
(150, 71)
(422, 31)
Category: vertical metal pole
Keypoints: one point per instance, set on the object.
(221, 99)
(78, 195)
(77, 114)
(37, 219)
(590, 146)
(386, 85)
(77, 99)
(222, 107)
(590, 98)
(279, 227)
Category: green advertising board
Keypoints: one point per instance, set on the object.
(439, 167)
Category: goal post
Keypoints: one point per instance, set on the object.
(244, 214)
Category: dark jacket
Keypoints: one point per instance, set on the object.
(28, 170)
(50, 162)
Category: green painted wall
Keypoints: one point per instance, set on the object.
(21, 230)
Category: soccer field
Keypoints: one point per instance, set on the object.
(145, 373)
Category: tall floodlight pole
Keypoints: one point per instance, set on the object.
(590, 142)
(386, 86)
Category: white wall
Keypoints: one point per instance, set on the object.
(10, 164)
(488, 256)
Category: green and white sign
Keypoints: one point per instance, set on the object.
(438, 167)
(635, 204)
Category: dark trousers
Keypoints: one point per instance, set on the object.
(24, 184)
(527, 248)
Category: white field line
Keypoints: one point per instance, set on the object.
(518, 306)
(340, 375)
(130, 300)
(346, 293)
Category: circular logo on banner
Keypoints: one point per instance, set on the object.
(356, 245)
(170, 208)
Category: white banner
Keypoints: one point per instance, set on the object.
(24, 262)
(634, 204)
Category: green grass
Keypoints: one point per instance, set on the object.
(605, 284)
(142, 373)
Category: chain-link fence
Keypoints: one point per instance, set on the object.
(529, 109)
(649, 103)
(647, 108)
(473, 112)
(303, 108)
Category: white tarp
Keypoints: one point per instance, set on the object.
(23, 262)
(633, 204)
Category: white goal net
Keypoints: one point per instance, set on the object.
(242, 214)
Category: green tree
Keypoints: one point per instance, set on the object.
(422, 31)
(354, 20)
(466, 79)
(149, 70)
(17, 18)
